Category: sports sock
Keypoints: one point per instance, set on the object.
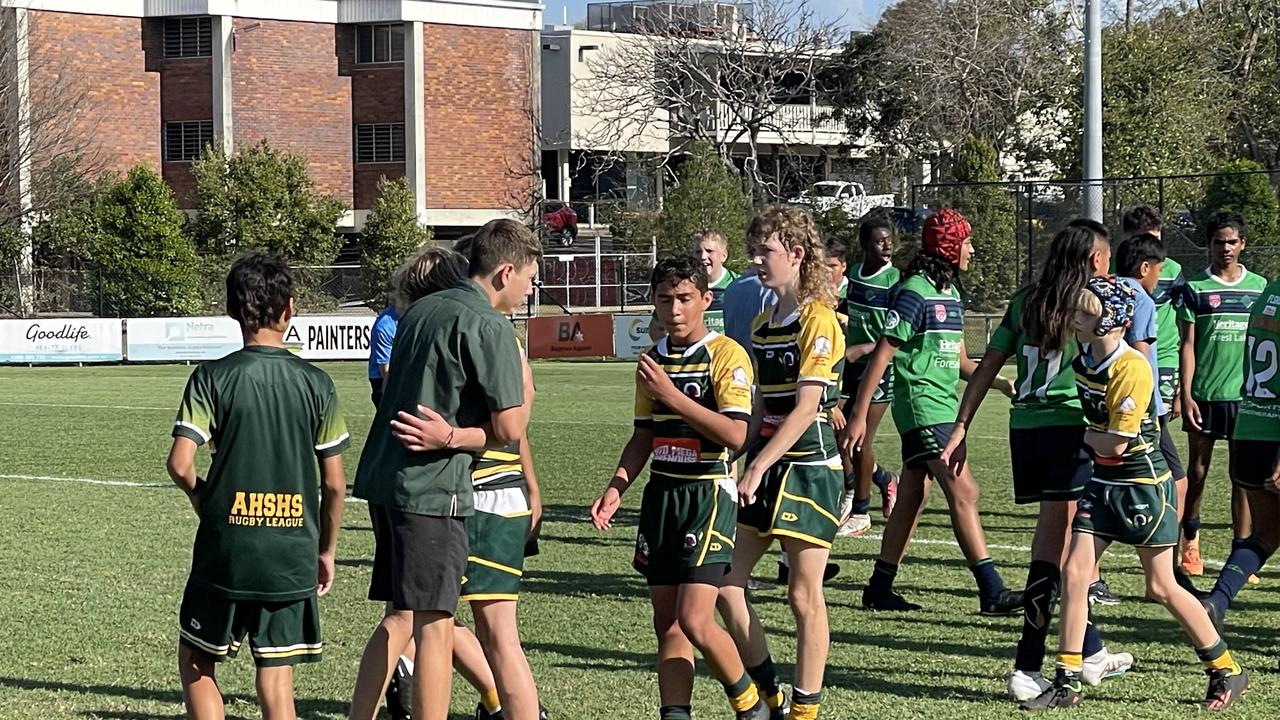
(1092, 639)
(767, 681)
(489, 698)
(1218, 657)
(989, 581)
(882, 576)
(850, 480)
(1246, 558)
(1070, 663)
(881, 478)
(742, 694)
(1043, 580)
(675, 712)
(804, 705)
(1191, 527)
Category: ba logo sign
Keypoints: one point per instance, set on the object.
(570, 331)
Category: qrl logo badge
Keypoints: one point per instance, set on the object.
(1215, 301)
(940, 313)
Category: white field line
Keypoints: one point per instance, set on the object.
(872, 537)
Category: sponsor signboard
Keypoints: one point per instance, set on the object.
(562, 336)
(181, 338)
(60, 340)
(631, 335)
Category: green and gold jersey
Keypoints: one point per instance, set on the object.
(266, 415)
(716, 373)
(1046, 384)
(1219, 312)
(497, 469)
(807, 346)
(868, 303)
(1117, 395)
(928, 324)
(1259, 417)
(1168, 296)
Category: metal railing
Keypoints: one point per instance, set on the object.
(600, 278)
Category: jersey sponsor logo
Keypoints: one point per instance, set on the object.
(892, 319)
(195, 624)
(1269, 310)
(676, 450)
(693, 390)
(1231, 325)
(949, 346)
(790, 517)
(1247, 301)
(789, 358)
(740, 376)
(940, 313)
(1215, 300)
(262, 509)
(690, 541)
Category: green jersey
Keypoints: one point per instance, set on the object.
(807, 346)
(716, 373)
(1169, 294)
(929, 325)
(1118, 395)
(1046, 383)
(266, 415)
(1219, 312)
(1259, 417)
(868, 302)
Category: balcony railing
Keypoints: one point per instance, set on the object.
(795, 122)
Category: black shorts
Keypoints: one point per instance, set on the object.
(923, 444)
(1170, 451)
(375, 393)
(426, 562)
(1217, 418)
(1050, 464)
(1252, 462)
(380, 580)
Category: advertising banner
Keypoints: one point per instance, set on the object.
(181, 338)
(60, 340)
(330, 337)
(562, 336)
(631, 335)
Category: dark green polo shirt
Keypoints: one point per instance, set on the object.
(458, 356)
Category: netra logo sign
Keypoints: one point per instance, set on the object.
(70, 333)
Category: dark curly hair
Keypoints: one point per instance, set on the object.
(677, 269)
(259, 287)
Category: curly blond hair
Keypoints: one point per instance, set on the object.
(794, 227)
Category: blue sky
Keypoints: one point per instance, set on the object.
(858, 14)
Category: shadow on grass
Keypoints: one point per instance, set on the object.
(572, 584)
(307, 707)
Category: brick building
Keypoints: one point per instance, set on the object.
(442, 92)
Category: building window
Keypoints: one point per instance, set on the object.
(380, 43)
(186, 37)
(184, 141)
(380, 143)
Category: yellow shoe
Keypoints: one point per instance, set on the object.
(1192, 563)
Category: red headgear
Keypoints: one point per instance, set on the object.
(944, 234)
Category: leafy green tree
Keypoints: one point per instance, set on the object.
(146, 265)
(1253, 196)
(709, 196)
(390, 234)
(992, 276)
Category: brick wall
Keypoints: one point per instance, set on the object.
(287, 88)
(377, 96)
(98, 64)
(186, 94)
(478, 129)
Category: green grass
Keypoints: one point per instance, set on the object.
(91, 575)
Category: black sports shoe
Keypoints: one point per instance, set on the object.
(1008, 602)
(400, 692)
(759, 711)
(1225, 687)
(1100, 594)
(784, 573)
(1215, 614)
(780, 712)
(483, 714)
(1063, 693)
(887, 600)
(1184, 581)
(542, 712)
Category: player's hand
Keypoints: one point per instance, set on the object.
(1006, 387)
(1191, 411)
(855, 432)
(1273, 483)
(956, 453)
(421, 434)
(324, 574)
(604, 508)
(535, 509)
(655, 380)
(749, 483)
(837, 418)
(1175, 408)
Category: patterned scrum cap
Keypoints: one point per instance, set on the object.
(1119, 301)
(944, 234)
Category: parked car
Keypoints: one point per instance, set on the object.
(561, 223)
(852, 197)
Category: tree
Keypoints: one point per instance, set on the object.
(146, 265)
(683, 76)
(708, 196)
(390, 234)
(263, 199)
(992, 276)
(1252, 196)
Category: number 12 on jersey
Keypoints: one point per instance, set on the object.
(1260, 368)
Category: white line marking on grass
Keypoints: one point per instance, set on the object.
(110, 483)
(86, 407)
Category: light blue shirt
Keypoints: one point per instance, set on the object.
(744, 300)
(1143, 329)
(381, 337)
